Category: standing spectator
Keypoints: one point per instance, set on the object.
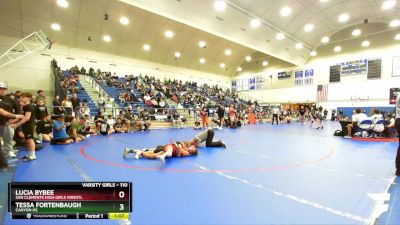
(221, 115)
(4, 115)
(397, 125)
(232, 116)
(6, 130)
(58, 109)
(275, 113)
(67, 105)
(333, 115)
(28, 125)
(204, 117)
(76, 103)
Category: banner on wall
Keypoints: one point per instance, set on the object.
(309, 76)
(396, 66)
(355, 67)
(298, 75)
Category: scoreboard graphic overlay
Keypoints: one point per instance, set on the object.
(70, 200)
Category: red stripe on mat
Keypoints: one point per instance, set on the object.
(376, 139)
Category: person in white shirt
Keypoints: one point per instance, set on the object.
(377, 116)
(357, 118)
(275, 112)
(110, 121)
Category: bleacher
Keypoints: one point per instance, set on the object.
(84, 96)
(114, 92)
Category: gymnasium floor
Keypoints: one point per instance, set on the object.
(286, 174)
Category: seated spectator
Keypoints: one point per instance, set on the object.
(377, 117)
(84, 110)
(119, 126)
(57, 105)
(356, 119)
(143, 120)
(40, 109)
(99, 119)
(44, 128)
(60, 135)
(41, 96)
(77, 129)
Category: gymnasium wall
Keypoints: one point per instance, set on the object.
(30, 73)
(69, 57)
(339, 94)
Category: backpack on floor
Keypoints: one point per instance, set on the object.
(338, 133)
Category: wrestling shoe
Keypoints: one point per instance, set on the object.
(223, 144)
(126, 152)
(28, 158)
(161, 158)
(138, 153)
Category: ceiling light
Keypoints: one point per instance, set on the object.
(202, 60)
(146, 47)
(55, 26)
(169, 34)
(344, 17)
(394, 23)
(308, 27)
(222, 65)
(62, 3)
(255, 23)
(356, 32)
(107, 38)
(365, 43)
(239, 69)
(177, 54)
(325, 39)
(124, 20)
(220, 5)
(228, 52)
(286, 11)
(388, 4)
(397, 37)
(313, 53)
(280, 36)
(265, 63)
(299, 46)
(337, 49)
(202, 44)
(248, 58)
(324, 0)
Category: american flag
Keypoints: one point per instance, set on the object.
(322, 93)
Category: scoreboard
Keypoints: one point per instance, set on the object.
(70, 200)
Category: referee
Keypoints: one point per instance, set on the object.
(397, 125)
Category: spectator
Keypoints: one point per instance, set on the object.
(57, 108)
(60, 135)
(44, 128)
(356, 119)
(41, 96)
(40, 110)
(28, 125)
(76, 103)
(67, 105)
(77, 129)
